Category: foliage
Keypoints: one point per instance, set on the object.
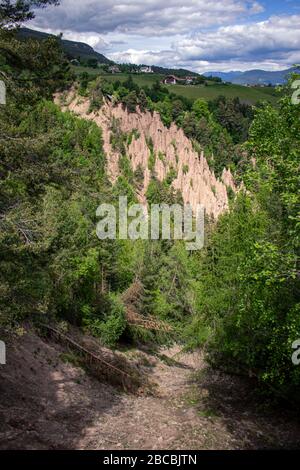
(95, 93)
(159, 192)
(13, 13)
(239, 297)
(248, 294)
(234, 116)
(215, 126)
(112, 327)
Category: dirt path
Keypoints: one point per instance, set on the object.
(193, 409)
(47, 403)
(150, 422)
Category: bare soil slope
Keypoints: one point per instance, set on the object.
(48, 403)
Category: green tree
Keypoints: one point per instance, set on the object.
(13, 13)
(249, 273)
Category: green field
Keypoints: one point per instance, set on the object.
(209, 92)
(246, 94)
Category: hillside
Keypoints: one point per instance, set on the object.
(49, 401)
(170, 149)
(209, 92)
(80, 50)
(173, 71)
(73, 49)
(149, 240)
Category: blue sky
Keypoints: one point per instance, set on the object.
(202, 35)
(279, 7)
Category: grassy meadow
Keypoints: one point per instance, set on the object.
(212, 90)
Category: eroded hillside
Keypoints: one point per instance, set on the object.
(157, 150)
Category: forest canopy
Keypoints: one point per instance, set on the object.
(238, 298)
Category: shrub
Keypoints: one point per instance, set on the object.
(111, 328)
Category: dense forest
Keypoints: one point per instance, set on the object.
(238, 298)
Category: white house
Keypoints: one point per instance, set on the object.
(146, 69)
(114, 69)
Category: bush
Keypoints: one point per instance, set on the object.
(111, 328)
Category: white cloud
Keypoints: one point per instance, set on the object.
(160, 58)
(197, 34)
(256, 8)
(143, 17)
(92, 39)
(270, 44)
(274, 38)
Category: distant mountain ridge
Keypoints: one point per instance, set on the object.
(73, 49)
(254, 77)
(80, 50)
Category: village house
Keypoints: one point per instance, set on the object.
(146, 69)
(173, 80)
(189, 80)
(75, 62)
(114, 69)
(170, 80)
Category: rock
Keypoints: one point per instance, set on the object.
(196, 181)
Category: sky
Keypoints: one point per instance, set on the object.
(201, 35)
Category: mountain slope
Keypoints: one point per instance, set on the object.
(254, 77)
(73, 49)
(174, 71)
(76, 50)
